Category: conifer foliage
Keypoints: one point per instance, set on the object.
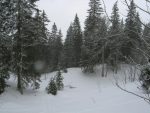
(25, 41)
(73, 44)
(52, 87)
(94, 36)
(56, 46)
(55, 84)
(133, 32)
(59, 81)
(6, 24)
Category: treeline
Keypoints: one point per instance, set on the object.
(109, 41)
(28, 48)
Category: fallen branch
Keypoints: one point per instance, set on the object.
(146, 99)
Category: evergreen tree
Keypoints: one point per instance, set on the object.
(146, 34)
(59, 81)
(56, 46)
(146, 40)
(132, 30)
(92, 22)
(115, 34)
(77, 40)
(95, 29)
(68, 48)
(4, 67)
(52, 88)
(138, 25)
(115, 19)
(59, 47)
(25, 39)
(73, 44)
(52, 43)
(6, 26)
(42, 47)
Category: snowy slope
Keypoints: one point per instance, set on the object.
(82, 94)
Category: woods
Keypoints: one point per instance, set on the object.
(29, 49)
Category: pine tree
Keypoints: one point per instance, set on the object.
(56, 46)
(77, 40)
(25, 41)
(146, 34)
(95, 29)
(146, 41)
(42, 47)
(92, 22)
(6, 26)
(52, 88)
(59, 81)
(132, 30)
(115, 34)
(4, 67)
(52, 43)
(68, 48)
(59, 47)
(73, 44)
(115, 19)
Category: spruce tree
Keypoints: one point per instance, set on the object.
(59, 81)
(115, 20)
(95, 29)
(25, 41)
(6, 26)
(146, 40)
(59, 47)
(52, 88)
(42, 47)
(4, 66)
(73, 44)
(146, 34)
(115, 35)
(132, 31)
(68, 48)
(77, 40)
(55, 43)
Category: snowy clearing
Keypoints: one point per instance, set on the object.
(82, 94)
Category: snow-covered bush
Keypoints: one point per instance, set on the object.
(52, 88)
(59, 81)
(145, 77)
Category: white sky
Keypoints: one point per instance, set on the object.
(62, 12)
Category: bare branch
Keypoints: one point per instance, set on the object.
(146, 99)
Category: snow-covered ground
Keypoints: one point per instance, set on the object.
(83, 93)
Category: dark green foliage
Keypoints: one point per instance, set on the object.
(145, 77)
(29, 41)
(115, 39)
(6, 24)
(4, 67)
(94, 37)
(73, 44)
(59, 81)
(77, 41)
(68, 48)
(133, 33)
(52, 87)
(2, 85)
(56, 46)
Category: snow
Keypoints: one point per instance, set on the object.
(83, 93)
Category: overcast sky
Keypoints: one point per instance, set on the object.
(62, 12)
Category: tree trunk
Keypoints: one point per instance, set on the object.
(103, 61)
(19, 85)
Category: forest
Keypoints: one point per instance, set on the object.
(28, 49)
